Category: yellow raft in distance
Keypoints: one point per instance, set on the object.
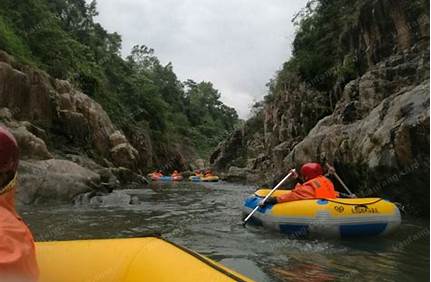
(126, 260)
(204, 178)
(210, 178)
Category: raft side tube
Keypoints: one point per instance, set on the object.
(126, 260)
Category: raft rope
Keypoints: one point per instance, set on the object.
(342, 203)
(352, 204)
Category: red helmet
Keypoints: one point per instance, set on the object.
(311, 170)
(9, 153)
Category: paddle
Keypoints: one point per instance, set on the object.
(267, 196)
(332, 171)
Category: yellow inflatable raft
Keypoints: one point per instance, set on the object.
(210, 178)
(326, 217)
(121, 260)
(204, 178)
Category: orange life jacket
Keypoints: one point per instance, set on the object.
(323, 187)
(17, 250)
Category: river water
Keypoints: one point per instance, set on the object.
(207, 219)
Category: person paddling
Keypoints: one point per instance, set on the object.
(17, 250)
(316, 186)
(208, 173)
(175, 173)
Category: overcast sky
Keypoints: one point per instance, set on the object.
(236, 44)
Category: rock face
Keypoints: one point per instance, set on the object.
(50, 119)
(54, 122)
(66, 115)
(30, 145)
(377, 130)
(58, 180)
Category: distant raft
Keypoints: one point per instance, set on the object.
(325, 217)
(167, 178)
(126, 260)
(204, 178)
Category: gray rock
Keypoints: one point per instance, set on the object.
(31, 147)
(117, 138)
(127, 176)
(124, 155)
(58, 180)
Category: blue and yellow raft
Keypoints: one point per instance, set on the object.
(325, 217)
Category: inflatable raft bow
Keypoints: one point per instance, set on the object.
(126, 260)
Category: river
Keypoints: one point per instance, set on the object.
(207, 219)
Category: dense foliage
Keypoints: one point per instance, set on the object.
(323, 57)
(318, 58)
(61, 37)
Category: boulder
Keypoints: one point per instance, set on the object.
(124, 155)
(31, 147)
(74, 126)
(236, 174)
(114, 199)
(84, 161)
(5, 115)
(127, 176)
(53, 180)
(117, 138)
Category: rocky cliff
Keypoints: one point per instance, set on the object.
(68, 143)
(374, 126)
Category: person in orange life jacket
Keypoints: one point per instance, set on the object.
(316, 186)
(17, 250)
(208, 173)
(175, 173)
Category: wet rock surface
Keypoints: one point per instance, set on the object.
(59, 180)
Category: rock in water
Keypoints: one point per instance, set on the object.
(59, 180)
